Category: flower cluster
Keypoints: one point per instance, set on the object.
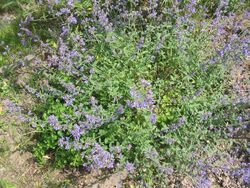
(101, 158)
(145, 101)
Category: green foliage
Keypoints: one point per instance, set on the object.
(13, 5)
(115, 75)
(8, 33)
(6, 184)
(184, 87)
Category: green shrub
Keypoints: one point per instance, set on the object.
(112, 93)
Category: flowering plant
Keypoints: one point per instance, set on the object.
(130, 84)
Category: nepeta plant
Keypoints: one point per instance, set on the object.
(130, 85)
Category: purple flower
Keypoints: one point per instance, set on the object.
(140, 44)
(64, 143)
(153, 14)
(134, 93)
(120, 110)
(130, 103)
(92, 71)
(101, 159)
(239, 119)
(30, 89)
(34, 125)
(92, 30)
(248, 150)
(68, 100)
(77, 145)
(182, 120)
(117, 149)
(206, 116)
(143, 100)
(26, 31)
(86, 167)
(160, 45)
(199, 92)
(103, 19)
(65, 31)
(92, 121)
(170, 140)
(77, 132)
(153, 118)
(70, 3)
(85, 79)
(72, 20)
(28, 19)
(77, 38)
(204, 183)
(246, 175)
(140, 101)
(191, 6)
(90, 58)
(130, 167)
(74, 53)
(145, 83)
(167, 170)
(151, 154)
(64, 11)
(22, 118)
(52, 119)
(61, 142)
(70, 87)
(11, 107)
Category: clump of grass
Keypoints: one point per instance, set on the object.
(8, 33)
(13, 6)
(6, 184)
